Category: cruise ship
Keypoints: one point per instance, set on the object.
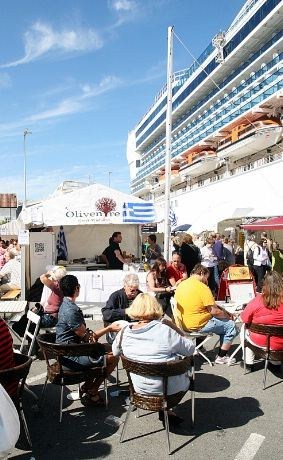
(226, 143)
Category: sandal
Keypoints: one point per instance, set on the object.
(88, 399)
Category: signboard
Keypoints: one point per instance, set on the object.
(23, 238)
(152, 228)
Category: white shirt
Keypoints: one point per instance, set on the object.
(208, 259)
(12, 268)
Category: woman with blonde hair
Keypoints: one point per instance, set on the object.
(151, 340)
(266, 308)
(189, 252)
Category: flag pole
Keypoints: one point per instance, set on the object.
(167, 224)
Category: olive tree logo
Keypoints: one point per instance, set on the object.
(105, 205)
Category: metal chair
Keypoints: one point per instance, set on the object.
(193, 335)
(155, 402)
(18, 373)
(31, 331)
(58, 374)
(266, 353)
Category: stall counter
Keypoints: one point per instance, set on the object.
(96, 286)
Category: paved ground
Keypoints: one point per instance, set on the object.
(235, 420)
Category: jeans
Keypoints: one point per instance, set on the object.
(225, 328)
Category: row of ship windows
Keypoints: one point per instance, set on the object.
(196, 82)
(211, 115)
(219, 103)
(160, 159)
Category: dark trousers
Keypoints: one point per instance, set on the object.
(260, 272)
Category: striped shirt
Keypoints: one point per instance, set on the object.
(7, 356)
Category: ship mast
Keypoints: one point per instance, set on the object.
(167, 224)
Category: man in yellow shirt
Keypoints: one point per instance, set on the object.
(197, 311)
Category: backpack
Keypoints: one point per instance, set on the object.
(250, 257)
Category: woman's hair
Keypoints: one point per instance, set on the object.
(68, 285)
(263, 240)
(59, 272)
(145, 306)
(272, 290)
(156, 266)
(200, 270)
(187, 238)
(209, 240)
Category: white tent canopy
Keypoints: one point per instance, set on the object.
(95, 204)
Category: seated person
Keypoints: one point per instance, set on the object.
(197, 311)
(49, 311)
(71, 328)
(150, 340)
(7, 356)
(158, 284)
(12, 269)
(265, 308)
(176, 272)
(119, 301)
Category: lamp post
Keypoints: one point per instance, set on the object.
(109, 178)
(23, 247)
(26, 132)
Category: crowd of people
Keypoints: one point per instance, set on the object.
(145, 327)
(10, 265)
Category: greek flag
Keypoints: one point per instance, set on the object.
(139, 213)
(62, 251)
(172, 218)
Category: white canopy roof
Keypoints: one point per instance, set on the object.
(94, 204)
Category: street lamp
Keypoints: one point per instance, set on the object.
(109, 178)
(26, 131)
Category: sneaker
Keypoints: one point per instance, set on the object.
(224, 360)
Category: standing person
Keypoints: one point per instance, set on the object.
(158, 284)
(113, 253)
(12, 269)
(262, 262)
(197, 311)
(209, 260)
(71, 328)
(190, 253)
(176, 272)
(277, 258)
(153, 251)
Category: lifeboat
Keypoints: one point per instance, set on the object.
(248, 138)
(200, 162)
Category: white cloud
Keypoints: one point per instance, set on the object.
(123, 5)
(41, 39)
(5, 81)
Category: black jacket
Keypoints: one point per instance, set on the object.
(115, 307)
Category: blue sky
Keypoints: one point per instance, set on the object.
(80, 74)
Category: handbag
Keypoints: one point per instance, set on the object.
(9, 423)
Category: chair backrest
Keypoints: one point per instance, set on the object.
(33, 319)
(48, 345)
(17, 373)
(174, 308)
(269, 330)
(162, 369)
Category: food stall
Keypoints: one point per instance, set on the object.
(89, 216)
